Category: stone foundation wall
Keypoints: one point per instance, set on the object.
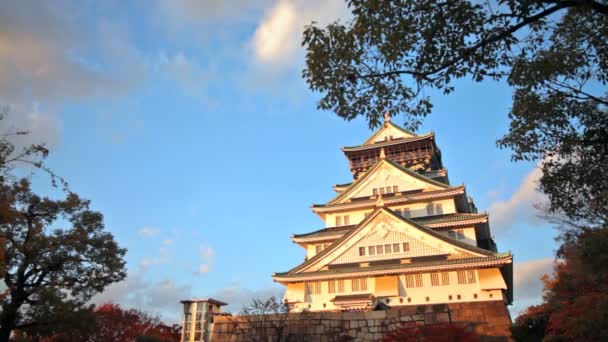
(491, 320)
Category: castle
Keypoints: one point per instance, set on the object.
(398, 235)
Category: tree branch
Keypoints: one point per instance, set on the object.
(577, 90)
(468, 51)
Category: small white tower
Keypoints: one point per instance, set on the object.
(198, 316)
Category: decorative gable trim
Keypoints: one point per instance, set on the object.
(316, 261)
(385, 126)
(371, 173)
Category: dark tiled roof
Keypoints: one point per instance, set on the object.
(446, 262)
(390, 198)
(387, 143)
(326, 232)
(448, 218)
(361, 296)
(420, 220)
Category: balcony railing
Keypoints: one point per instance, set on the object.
(396, 157)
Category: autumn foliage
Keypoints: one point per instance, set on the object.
(116, 324)
(575, 306)
(440, 332)
(111, 323)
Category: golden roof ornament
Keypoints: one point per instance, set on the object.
(387, 118)
(382, 154)
(380, 201)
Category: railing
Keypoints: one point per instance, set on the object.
(396, 157)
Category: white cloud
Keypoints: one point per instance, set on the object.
(191, 76)
(278, 36)
(271, 39)
(42, 127)
(236, 296)
(47, 53)
(185, 13)
(526, 277)
(207, 254)
(158, 298)
(527, 283)
(163, 257)
(149, 231)
(52, 53)
(520, 207)
(203, 268)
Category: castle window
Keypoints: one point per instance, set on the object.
(359, 284)
(406, 246)
(409, 280)
(313, 287)
(331, 286)
(452, 234)
(466, 277)
(388, 190)
(430, 209)
(460, 234)
(439, 208)
(375, 192)
(395, 188)
(338, 220)
(445, 278)
(317, 287)
(462, 277)
(471, 277)
(372, 250)
(346, 220)
(341, 285)
(381, 191)
(361, 251)
(435, 279)
(387, 249)
(395, 248)
(413, 280)
(406, 213)
(418, 278)
(379, 249)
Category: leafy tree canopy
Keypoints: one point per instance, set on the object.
(57, 256)
(553, 53)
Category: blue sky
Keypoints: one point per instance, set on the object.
(188, 126)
